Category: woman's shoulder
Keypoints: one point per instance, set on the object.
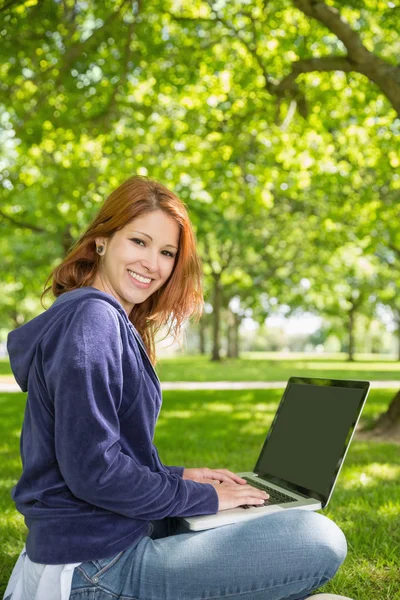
(84, 316)
(92, 297)
(90, 303)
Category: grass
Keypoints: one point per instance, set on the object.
(227, 429)
(270, 366)
(274, 367)
(5, 368)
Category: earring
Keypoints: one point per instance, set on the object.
(100, 250)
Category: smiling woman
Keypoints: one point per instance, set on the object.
(141, 232)
(101, 508)
(131, 269)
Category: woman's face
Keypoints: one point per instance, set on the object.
(145, 247)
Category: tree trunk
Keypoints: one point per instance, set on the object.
(67, 240)
(217, 301)
(230, 341)
(351, 334)
(236, 336)
(388, 424)
(230, 334)
(202, 337)
(15, 318)
(398, 340)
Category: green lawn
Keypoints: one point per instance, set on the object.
(5, 367)
(269, 366)
(226, 429)
(253, 367)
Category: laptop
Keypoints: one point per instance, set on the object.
(303, 452)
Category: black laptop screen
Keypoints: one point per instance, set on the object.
(308, 438)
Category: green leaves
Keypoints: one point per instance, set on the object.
(197, 95)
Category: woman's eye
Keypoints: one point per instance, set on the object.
(136, 240)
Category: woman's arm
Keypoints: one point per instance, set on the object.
(84, 377)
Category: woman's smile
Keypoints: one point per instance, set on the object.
(143, 282)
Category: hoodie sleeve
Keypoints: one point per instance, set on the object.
(176, 470)
(83, 367)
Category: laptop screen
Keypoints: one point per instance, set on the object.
(310, 434)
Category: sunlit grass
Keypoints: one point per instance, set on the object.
(5, 367)
(251, 367)
(331, 356)
(269, 366)
(227, 429)
(372, 475)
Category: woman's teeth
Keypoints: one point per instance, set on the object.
(138, 277)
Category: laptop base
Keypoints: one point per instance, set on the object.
(233, 515)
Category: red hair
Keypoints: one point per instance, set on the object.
(180, 297)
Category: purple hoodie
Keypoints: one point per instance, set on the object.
(92, 479)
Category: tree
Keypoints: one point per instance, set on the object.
(274, 121)
(343, 289)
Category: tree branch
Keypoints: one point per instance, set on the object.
(71, 55)
(124, 74)
(330, 17)
(358, 59)
(75, 51)
(22, 224)
(308, 65)
(385, 75)
(394, 249)
(270, 85)
(9, 4)
(226, 257)
(180, 18)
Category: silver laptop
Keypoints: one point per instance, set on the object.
(304, 450)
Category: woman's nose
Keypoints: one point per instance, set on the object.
(150, 262)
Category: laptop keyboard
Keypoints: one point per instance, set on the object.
(275, 497)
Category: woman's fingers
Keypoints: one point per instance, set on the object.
(225, 475)
(251, 491)
(231, 495)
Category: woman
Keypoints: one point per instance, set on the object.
(98, 502)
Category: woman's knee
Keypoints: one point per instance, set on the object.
(326, 541)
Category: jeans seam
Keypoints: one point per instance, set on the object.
(110, 564)
(94, 588)
(85, 576)
(263, 589)
(113, 594)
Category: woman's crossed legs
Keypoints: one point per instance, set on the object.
(285, 555)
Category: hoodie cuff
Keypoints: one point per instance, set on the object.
(176, 471)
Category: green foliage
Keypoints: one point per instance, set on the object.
(186, 92)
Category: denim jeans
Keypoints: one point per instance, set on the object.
(283, 555)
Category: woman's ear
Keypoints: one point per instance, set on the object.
(100, 246)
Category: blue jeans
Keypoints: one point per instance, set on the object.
(283, 555)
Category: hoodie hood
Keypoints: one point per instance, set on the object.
(22, 343)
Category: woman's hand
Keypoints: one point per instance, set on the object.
(232, 490)
(205, 475)
(232, 495)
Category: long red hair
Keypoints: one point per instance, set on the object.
(180, 297)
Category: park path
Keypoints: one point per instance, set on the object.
(8, 384)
